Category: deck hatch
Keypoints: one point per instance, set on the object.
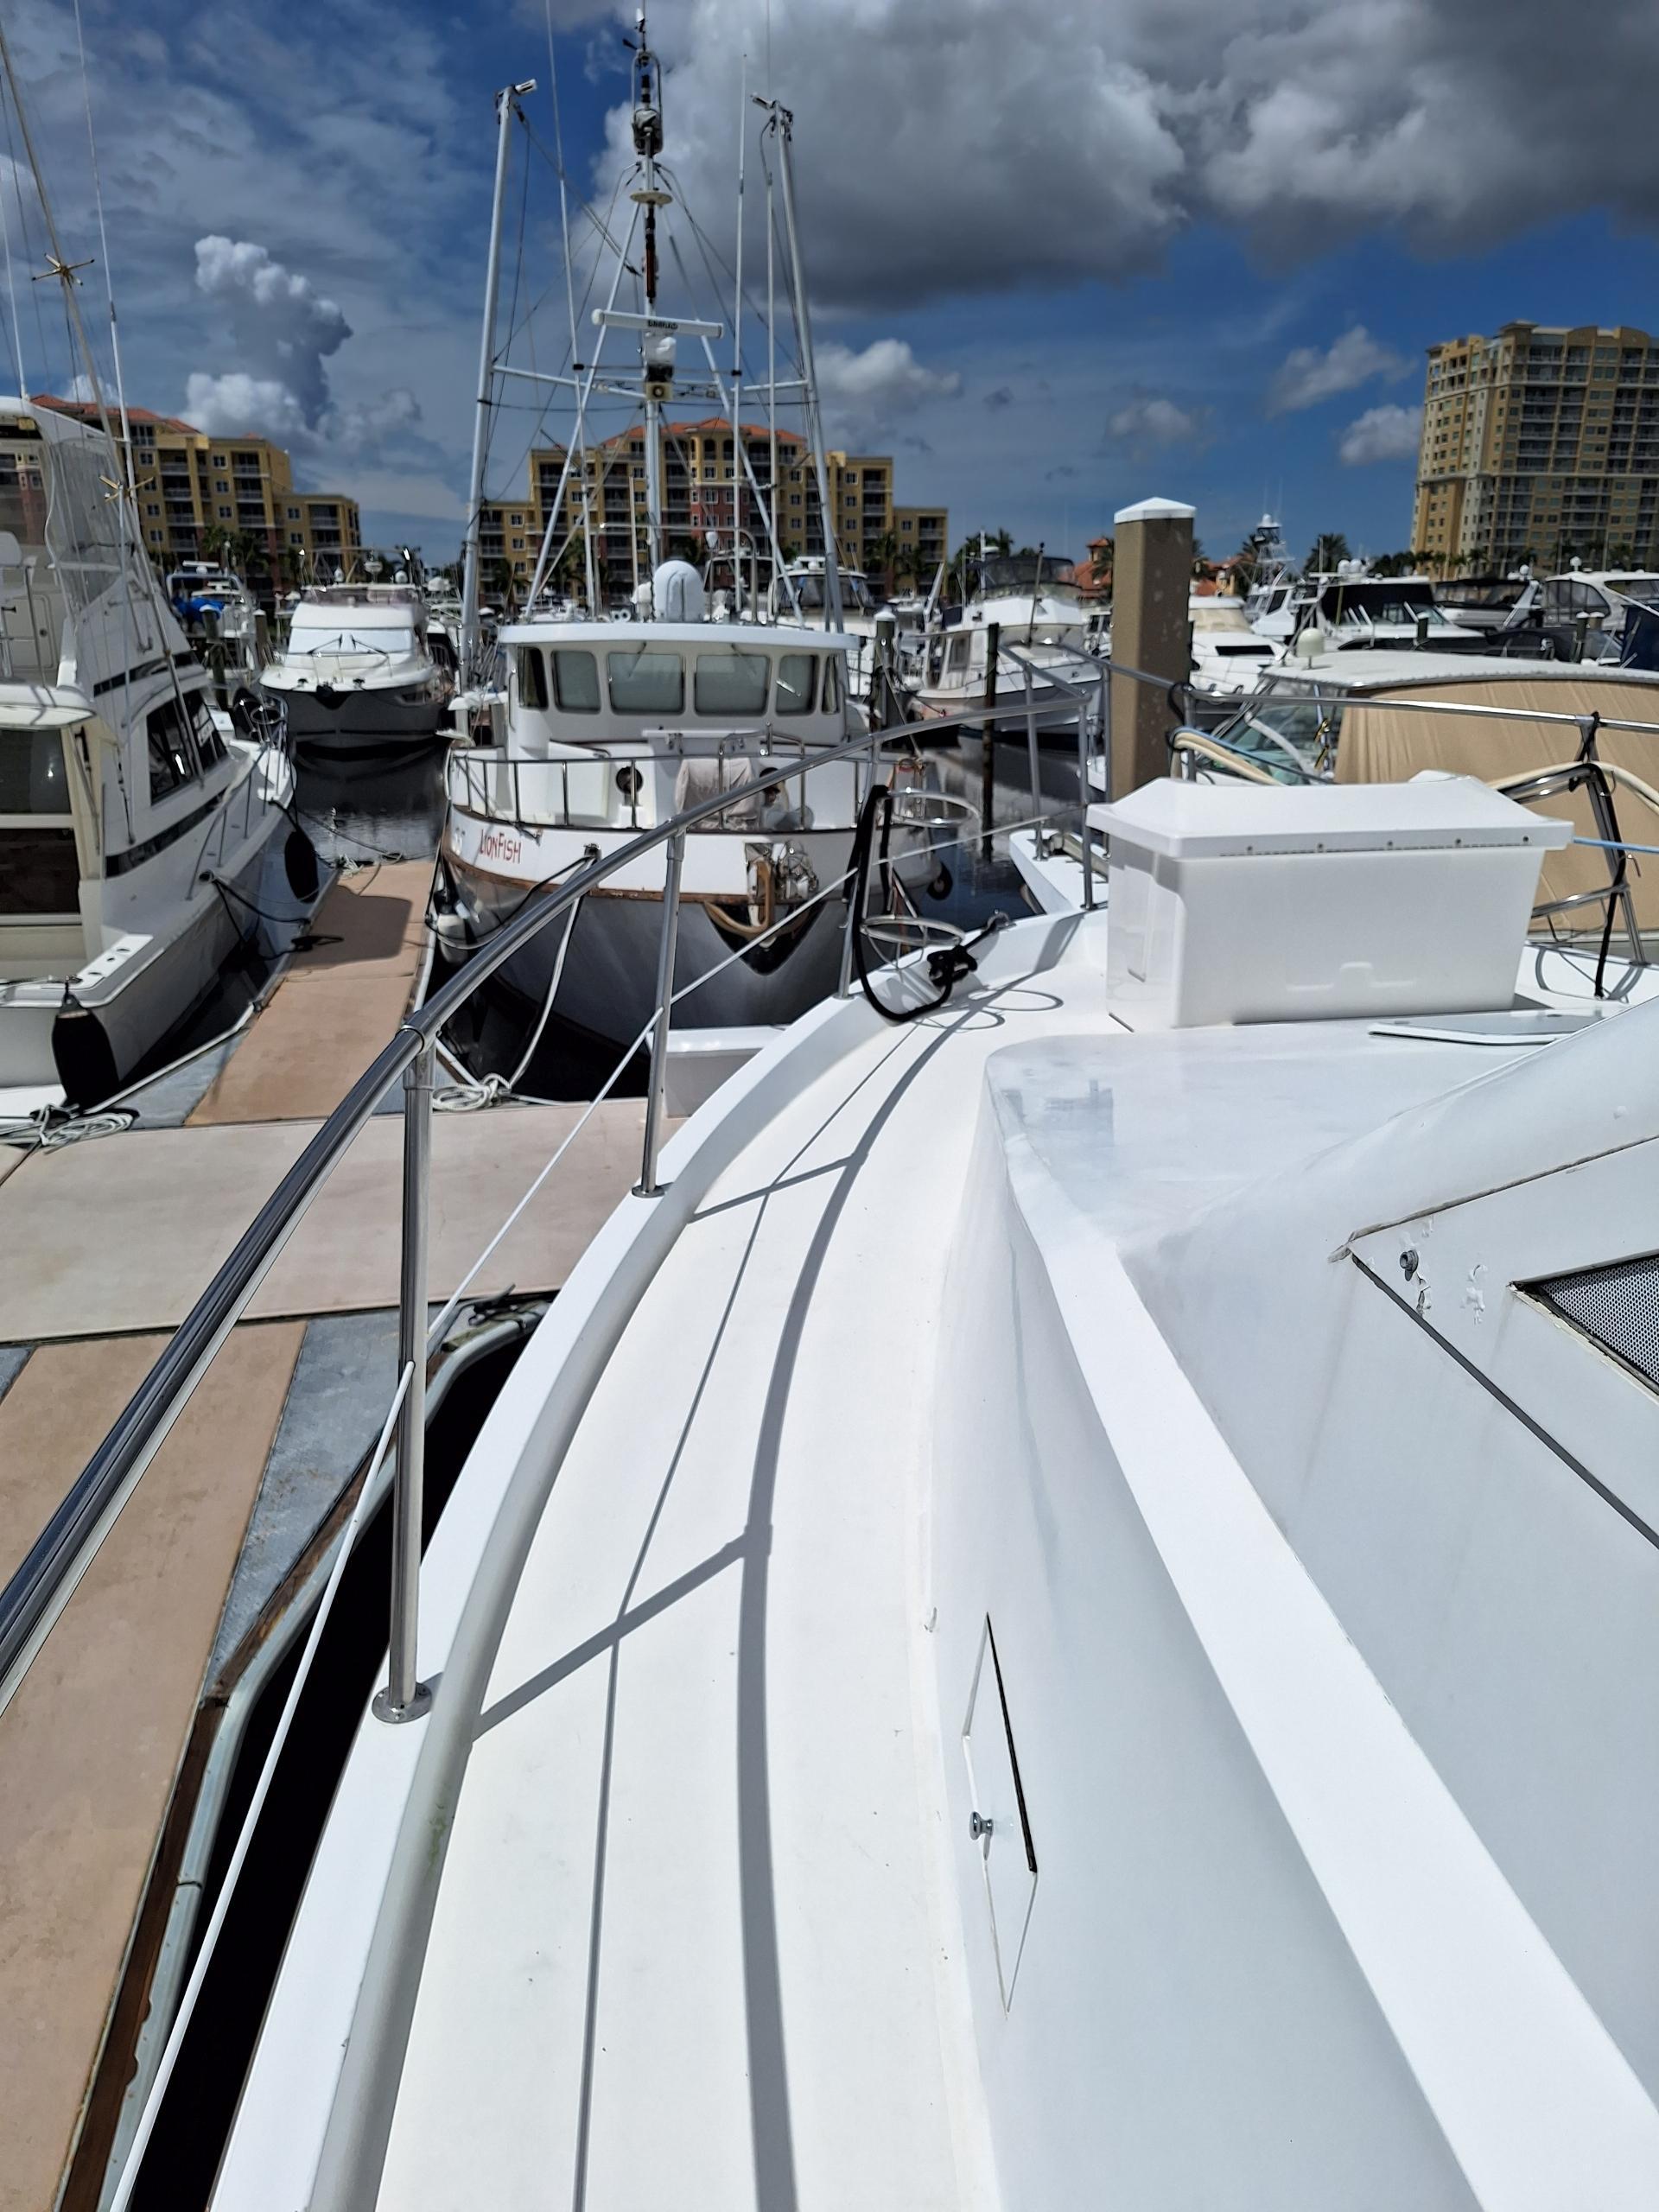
(1616, 1307)
(1000, 1830)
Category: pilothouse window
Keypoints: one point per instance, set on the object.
(796, 681)
(731, 684)
(646, 683)
(532, 679)
(575, 683)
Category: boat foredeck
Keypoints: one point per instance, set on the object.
(692, 1941)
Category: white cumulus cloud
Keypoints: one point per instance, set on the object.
(1309, 375)
(863, 392)
(1148, 421)
(283, 329)
(1381, 434)
(237, 405)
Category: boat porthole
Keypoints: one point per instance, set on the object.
(628, 782)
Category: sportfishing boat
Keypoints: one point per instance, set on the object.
(356, 674)
(1142, 1737)
(136, 828)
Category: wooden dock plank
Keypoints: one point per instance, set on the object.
(336, 1006)
(124, 1233)
(90, 1745)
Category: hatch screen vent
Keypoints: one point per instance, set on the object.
(1616, 1306)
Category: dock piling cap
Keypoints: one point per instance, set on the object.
(1155, 511)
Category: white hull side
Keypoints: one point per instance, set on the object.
(142, 997)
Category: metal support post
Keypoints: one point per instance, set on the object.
(1607, 828)
(648, 1186)
(1036, 775)
(988, 740)
(1085, 720)
(405, 1696)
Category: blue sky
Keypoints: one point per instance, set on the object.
(1063, 253)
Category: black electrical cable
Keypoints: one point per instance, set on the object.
(947, 964)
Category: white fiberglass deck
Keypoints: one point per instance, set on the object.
(709, 1929)
(713, 1975)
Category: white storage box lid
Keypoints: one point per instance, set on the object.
(1208, 821)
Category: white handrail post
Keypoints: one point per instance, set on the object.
(405, 1696)
(648, 1186)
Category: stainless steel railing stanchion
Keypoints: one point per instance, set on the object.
(405, 1696)
(648, 1186)
(1086, 722)
(1038, 842)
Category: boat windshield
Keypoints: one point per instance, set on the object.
(1396, 601)
(1284, 732)
(1643, 590)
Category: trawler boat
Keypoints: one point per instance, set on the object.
(134, 832)
(356, 674)
(606, 730)
(1115, 1706)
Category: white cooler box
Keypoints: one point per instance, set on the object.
(1239, 902)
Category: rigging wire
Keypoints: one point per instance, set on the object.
(109, 279)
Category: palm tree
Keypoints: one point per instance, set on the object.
(1329, 548)
(882, 554)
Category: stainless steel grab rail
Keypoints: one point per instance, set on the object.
(37, 1592)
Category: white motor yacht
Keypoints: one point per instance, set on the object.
(1060, 1617)
(356, 674)
(134, 831)
(1354, 609)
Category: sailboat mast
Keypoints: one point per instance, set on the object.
(470, 625)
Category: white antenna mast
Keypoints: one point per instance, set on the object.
(506, 108)
(781, 122)
(589, 560)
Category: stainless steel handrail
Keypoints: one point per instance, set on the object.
(42, 1585)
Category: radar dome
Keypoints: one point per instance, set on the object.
(677, 593)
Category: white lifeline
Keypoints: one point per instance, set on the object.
(1048, 1626)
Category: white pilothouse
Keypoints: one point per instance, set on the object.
(134, 830)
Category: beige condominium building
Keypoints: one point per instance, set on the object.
(192, 487)
(707, 488)
(1540, 444)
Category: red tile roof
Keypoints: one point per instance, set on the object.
(86, 412)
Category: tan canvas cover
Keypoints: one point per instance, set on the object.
(1382, 744)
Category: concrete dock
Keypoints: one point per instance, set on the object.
(108, 1242)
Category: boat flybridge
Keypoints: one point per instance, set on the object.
(1117, 1708)
(356, 674)
(135, 828)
